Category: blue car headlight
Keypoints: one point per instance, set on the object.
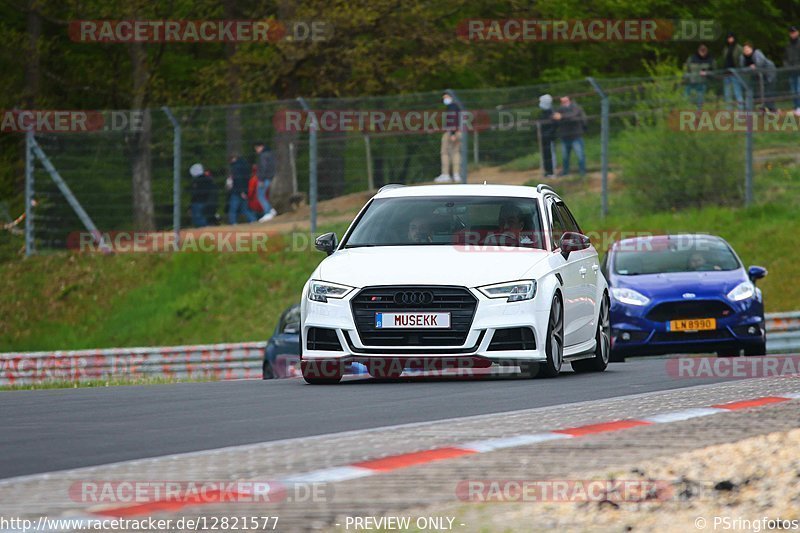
(629, 296)
(742, 291)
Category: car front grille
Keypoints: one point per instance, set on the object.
(457, 301)
(323, 339)
(689, 309)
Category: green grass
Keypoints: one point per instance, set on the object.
(70, 301)
(63, 301)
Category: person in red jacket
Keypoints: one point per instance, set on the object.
(252, 194)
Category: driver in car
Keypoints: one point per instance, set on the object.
(511, 223)
(419, 230)
(697, 262)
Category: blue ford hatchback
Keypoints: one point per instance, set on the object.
(683, 293)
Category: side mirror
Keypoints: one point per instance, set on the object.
(326, 243)
(756, 273)
(292, 327)
(572, 241)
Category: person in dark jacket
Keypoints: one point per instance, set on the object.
(265, 164)
(755, 60)
(791, 59)
(571, 127)
(696, 68)
(548, 134)
(201, 186)
(240, 176)
(731, 58)
(450, 150)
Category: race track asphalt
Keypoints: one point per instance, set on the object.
(50, 430)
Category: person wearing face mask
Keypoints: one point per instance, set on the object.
(451, 142)
(548, 134)
(791, 59)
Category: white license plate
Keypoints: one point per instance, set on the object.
(412, 320)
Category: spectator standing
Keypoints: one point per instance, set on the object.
(571, 127)
(450, 151)
(754, 59)
(212, 199)
(697, 68)
(240, 176)
(252, 193)
(548, 134)
(731, 58)
(265, 162)
(200, 188)
(791, 59)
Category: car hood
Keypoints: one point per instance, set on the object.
(675, 285)
(430, 265)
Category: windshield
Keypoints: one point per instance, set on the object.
(448, 220)
(674, 255)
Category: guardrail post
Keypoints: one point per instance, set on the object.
(370, 174)
(748, 139)
(29, 162)
(176, 174)
(604, 132)
(293, 164)
(312, 163)
(464, 140)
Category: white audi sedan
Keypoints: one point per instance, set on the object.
(456, 276)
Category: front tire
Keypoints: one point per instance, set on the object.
(554, 345)
(322, 372)
(266, 371)
(599, 362)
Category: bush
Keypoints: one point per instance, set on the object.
(667, 169)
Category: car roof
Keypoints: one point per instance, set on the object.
(471, 189)
(659, 239)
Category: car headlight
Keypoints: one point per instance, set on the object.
(515, 291)
(742, 291)
(629, 296)
(320, 291)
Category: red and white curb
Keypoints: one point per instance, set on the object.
(396, 462)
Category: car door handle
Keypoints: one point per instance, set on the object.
(595, 268)
(583, 272)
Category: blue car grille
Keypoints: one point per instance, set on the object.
(679, 336)
(666, 311)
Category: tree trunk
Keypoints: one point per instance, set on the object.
(141, 157)
(233, 119)
(280, 191)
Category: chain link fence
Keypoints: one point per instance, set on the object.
(343, 157)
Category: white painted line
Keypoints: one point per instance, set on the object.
(489, 445)
(330, 475)
(686, 414)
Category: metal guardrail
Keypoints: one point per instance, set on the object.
(783, 332)
(224, 361)
(207, 361)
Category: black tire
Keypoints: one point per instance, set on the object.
(322, 372)
(599, 362)
(266, 371)
(554, 345)
(756, 349)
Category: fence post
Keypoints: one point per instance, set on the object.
(475, 146)
(748, 139)
(71, 200)
(464, 140)
(176, 175)
(312, 163)
(370, 175)
(293, 165)
(604, 111)
(29, 193)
